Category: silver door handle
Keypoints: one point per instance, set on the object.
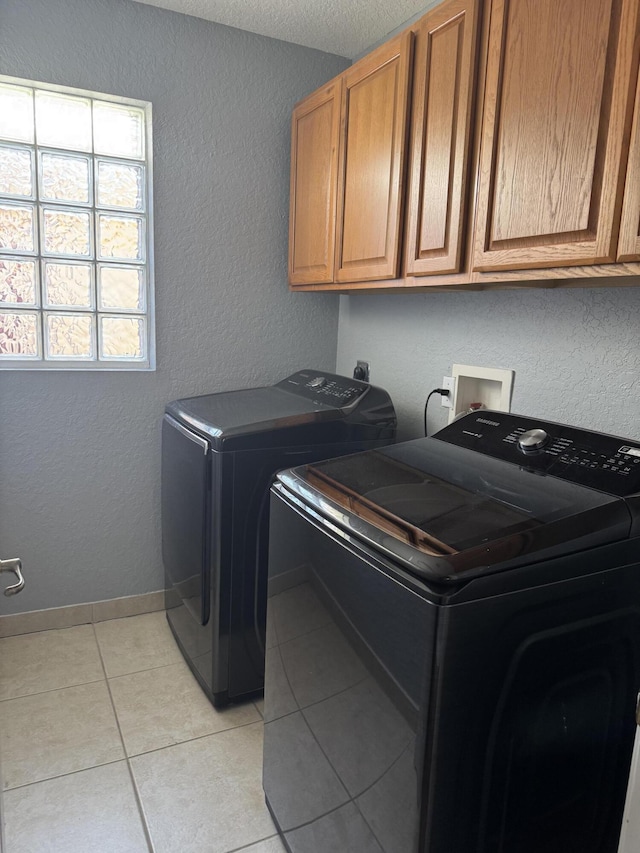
(14, 566)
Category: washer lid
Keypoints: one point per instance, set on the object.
(450, 513)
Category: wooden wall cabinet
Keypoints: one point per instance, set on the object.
(315, 139)
(522, 162)
(348, 143)
(440, 147)
(555, 119)
(375, 95)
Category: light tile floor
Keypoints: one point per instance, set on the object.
(108, 745)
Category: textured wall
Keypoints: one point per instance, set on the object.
(576, 353)
(79, 453)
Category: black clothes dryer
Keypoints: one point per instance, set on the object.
(453, 643)
(219, 456)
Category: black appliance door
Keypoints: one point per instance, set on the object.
(350, 642)
(186, 536)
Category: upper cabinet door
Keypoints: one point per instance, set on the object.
(374, 114)
(629, 245)
(443, 97)
(556, 117)
(315, 131)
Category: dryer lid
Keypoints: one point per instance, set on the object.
(250, 410)
(305, 397)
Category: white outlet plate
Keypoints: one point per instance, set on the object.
(490, 386)
(449, 383)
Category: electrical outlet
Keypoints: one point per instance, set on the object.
(449, 383)
(361, 371)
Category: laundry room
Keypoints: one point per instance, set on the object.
(253, 256)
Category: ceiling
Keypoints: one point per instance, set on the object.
(344, 27)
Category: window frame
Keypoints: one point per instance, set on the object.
(76, 364)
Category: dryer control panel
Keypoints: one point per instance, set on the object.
(594, 459)
(330, 389)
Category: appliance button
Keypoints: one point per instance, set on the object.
(533, 440)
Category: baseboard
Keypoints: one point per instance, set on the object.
(80, 614)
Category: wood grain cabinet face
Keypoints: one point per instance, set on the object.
(556, 115)
(443, 97)
(374, 114)
(629, 245)
(315, 131)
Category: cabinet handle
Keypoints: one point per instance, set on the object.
(14, 566)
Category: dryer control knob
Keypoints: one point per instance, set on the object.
(533, 440)
(318, 382)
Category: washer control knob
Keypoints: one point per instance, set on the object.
(318, 382)
(533, 440)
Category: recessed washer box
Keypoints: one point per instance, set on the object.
(491, 386)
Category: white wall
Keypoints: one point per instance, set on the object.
(79, 453)
(576, 353)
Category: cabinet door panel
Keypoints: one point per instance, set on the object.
(374, 112)
(315, 132)
(629, 245)
(446, 45)
(555, 121)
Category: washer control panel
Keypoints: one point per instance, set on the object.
(328, 388)
(604, 462)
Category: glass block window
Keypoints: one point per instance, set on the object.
(76, 289)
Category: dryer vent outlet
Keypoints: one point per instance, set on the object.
(361, 371)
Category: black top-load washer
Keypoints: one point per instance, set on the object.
(219, 455)
(453, 643)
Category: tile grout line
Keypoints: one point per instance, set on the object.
(141, 671)
(146, 669)
(198, 737)
(136, 792)
(253, 843)
(61, 775)
(51, 690)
